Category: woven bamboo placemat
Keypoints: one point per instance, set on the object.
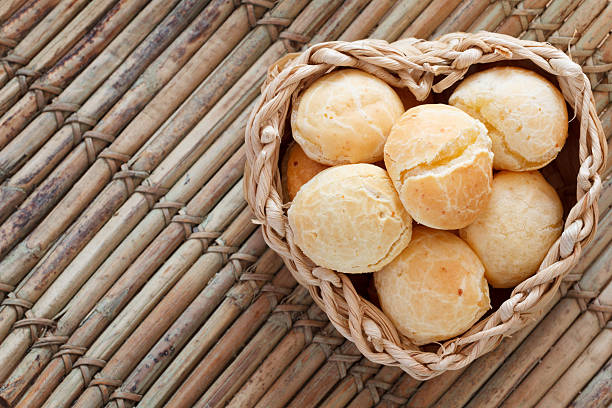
(130, 273)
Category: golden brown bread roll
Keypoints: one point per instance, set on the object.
(440, 161)
(345, 117)
(297, 169)
(525, 114)
(349, 218)
(512, 235)
(435, 289)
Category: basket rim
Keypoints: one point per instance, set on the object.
(416, 63)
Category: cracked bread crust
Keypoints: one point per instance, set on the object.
(524, 113)
(350, 219)
(440, 161)
(345, 117)
(435, 289)
(523, 218)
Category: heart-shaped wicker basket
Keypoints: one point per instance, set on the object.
(421, 66)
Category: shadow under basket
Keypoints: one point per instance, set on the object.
(424, 67)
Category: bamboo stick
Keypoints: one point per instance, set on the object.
(399, 394)
(205, 302)
(593, 36)
(237, 299)
(430, 18)
(598, 393)
(180, 367)
(429, 391)
(282, 318)
(344, 392)
(461, 18)
(151, 259)
(498, 13)
(175, 164)
(543, 336)
(581, 371)
(576, 23)
(168, 172)
(227, 346)
(43, 125)
(15, 81)
(336, 368)
(71, 134)
(339, 21)
(549, 21)
(400, 16)
(302, 368)
(38, 37)
(23, 258)
(8, 7)
(178, 303)
(569, 346)
(382, 381)
(270, 369)
(18, 25)
(99, 249)
(210, 91)
(103, 341)
(52, 82)
(367, 20)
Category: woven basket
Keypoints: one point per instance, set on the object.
(421, 66)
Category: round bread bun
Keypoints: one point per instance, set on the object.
(345, 117)
(297, 169)
(435, 289)
(349, 218)
(512, 235)
(525, 114)
(440, 161)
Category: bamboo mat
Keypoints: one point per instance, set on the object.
(130, 273)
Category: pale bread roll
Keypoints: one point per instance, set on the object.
(349, 218)
(435, 289)
(440, 161)
(525, 114)
(297, 169)
(345, 117)
(512, 235)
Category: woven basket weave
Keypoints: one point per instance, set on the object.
(421, 66)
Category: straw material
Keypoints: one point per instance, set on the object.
(357, 320)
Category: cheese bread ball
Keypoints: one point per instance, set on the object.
(525, 114)
(440, 161)
(435, 289)
(523, 218)
(349, 218)
(345, 117)
(297, 169)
